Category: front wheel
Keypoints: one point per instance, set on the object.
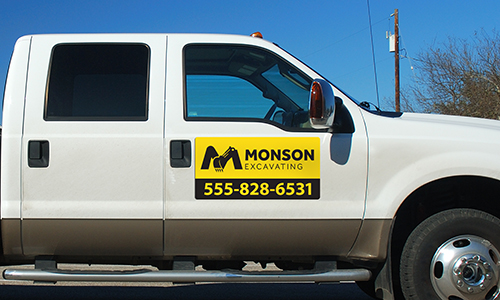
(453, 255)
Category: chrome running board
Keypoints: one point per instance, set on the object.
(144, 275)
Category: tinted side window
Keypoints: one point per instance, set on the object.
(231, 82)
(230, 96)
(101, 82)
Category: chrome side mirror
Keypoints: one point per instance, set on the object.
(321, 104)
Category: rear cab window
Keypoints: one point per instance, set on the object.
(98, 82)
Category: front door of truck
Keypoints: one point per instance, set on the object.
(93, 147)
(261, 180)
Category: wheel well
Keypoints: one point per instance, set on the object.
(474, 192)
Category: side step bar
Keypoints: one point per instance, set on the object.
(145, 275)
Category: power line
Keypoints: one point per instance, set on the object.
(410, 59)
(373, 52)
(359, 69)
(344, 38)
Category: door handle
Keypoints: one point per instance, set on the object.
(38, 154)
(180, 154)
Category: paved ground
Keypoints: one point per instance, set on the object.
(14, 290)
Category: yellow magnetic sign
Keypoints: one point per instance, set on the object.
(272, 167)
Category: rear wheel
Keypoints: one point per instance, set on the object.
(452, 255)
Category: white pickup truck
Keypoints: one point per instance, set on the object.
(186, 150)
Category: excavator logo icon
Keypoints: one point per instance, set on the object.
(220, 161)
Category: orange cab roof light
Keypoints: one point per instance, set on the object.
(257, 34)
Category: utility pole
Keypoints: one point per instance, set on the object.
(396, 59)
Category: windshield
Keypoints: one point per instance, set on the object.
(291, 84)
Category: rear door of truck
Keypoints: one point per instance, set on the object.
(92, 169)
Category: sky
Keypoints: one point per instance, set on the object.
(332, 37)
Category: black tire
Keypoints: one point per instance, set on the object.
(471, 268)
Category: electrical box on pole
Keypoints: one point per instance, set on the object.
(392, 45)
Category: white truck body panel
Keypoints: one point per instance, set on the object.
(13, 111)
(415, 149)
(116, 168)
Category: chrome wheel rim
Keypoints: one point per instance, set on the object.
(466, 267)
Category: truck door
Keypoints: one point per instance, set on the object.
(93, 146)
(261, 180)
